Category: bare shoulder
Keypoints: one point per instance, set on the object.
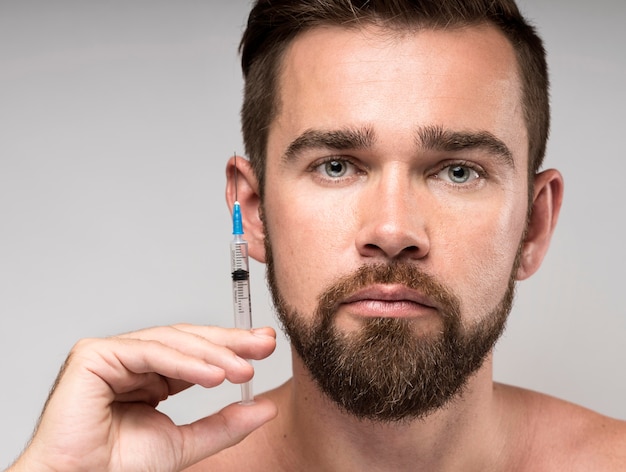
(561, 434)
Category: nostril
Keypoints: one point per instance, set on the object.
(409, 251)
(383, 237)
(375, 250)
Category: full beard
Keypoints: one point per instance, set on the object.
(386, 371)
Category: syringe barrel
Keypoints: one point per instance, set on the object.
(241, 283)
(238, 254)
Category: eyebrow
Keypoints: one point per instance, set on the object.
(342, 139)
(430, 138)
(435, 138)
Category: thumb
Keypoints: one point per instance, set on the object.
(225, 428)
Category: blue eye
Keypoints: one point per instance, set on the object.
(458, 174)
(336, 168)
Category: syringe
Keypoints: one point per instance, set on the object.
(241, 287)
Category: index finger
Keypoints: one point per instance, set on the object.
(254, 344)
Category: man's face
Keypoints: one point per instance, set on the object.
(395, 204)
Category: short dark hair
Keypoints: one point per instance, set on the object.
(273, 24)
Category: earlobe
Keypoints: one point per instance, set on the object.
(242, 185)
(546, 204)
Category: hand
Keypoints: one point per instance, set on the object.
(101, 413)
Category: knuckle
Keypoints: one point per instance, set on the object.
(83, 345)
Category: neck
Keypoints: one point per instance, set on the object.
(460, 436)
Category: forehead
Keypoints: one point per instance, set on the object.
(394, 81)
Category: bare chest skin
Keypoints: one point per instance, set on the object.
(543, 434)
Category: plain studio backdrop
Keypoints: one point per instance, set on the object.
(116, 121)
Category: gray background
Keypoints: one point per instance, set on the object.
(116, 120)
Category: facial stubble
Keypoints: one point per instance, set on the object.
(386, 371)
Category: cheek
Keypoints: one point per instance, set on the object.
(309, 247)
(481, 259)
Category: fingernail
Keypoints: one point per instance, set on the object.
(261, 333)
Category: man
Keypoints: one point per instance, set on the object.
(394, 191)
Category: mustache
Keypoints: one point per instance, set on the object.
(402, 273)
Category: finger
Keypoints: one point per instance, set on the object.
(251, 344)
(255, 344)
(152, 389)
(226, 428)
(130, 364)
(218, 346)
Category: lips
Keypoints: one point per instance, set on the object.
(396, 301)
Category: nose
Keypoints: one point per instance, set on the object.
(392, 219)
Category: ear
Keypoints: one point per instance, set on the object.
(547, 198)
(242, 185)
